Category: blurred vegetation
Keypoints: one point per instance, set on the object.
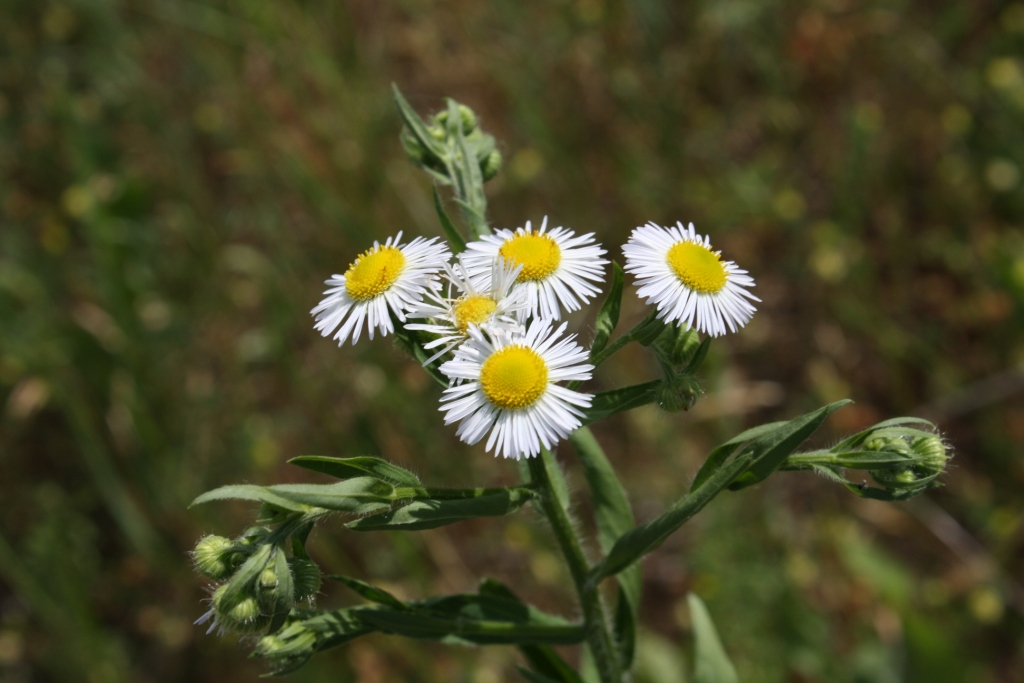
(178, 178)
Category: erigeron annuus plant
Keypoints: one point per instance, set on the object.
(486, 325)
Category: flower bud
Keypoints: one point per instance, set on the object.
(241, 614)
(679, 392)
(216, 557)
(491, 164)
(306, 575)
(467, 116)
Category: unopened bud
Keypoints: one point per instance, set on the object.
(466, 115)
(678, 393)
(306, 575)
(491, 164)
(268, 578)
(216, 557)
(242, 613)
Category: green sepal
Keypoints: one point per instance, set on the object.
(711, 664)
(455, 238)
(368, 591)
(697, 357)
(260, 494)
(433, 513)
(608, 403)
(360, 466)
(351, 495)
(608, 316)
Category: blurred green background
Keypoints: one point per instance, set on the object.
(178, 178)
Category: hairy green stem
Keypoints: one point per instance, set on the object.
(599, 636)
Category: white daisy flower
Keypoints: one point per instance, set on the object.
(484, 302)
(508, 388)
(677, 271)
(558, 266)
(388, 276)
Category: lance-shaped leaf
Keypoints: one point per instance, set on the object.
(416, 125)
(260, 494)
(711, 664)
(771, 450)
(350, 495)
(480, 619)
(614, 517)
(433, 513)
(637, 542)
(455, 238)
(547, 664)
(772, 442)
(368, 591)
(608, 403)
(608, 316)
(361, 466)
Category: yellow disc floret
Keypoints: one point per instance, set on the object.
(514, 377)
(373, 272)
(697, 267)
(473, 310)
(537, 253)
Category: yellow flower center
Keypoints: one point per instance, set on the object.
(514, 377)
(473, 310)
(697, 267)
(373, 272)
(538, 254)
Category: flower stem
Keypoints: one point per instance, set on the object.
(553, 502)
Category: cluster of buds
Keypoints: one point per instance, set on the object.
(251, 589)
(902, 459)
(451, 136)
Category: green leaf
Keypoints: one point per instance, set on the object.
(608, 316)
(711, 664)
(252, 492)
(769, 443)
(430, 514)
(455, 238)
(343, 496)
(608, 403)
(361, 466)
(416, 125)
(721, 453)
(641, 540)
(614, 517)
(480, 619)
(546, 662)
(771, 450)
(370, 592)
